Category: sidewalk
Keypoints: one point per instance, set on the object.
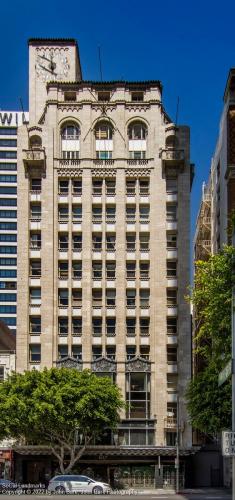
(189, 491)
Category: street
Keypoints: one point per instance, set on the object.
(158, 495)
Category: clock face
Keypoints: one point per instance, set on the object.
(52, 65)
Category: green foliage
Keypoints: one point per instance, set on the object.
(54, 406)
(209, 405)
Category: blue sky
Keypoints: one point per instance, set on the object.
(188, 45)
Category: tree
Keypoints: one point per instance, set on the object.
(53, 407)
(209, 405)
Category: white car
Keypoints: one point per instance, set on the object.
(77, 484)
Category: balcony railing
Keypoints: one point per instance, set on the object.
(34, 158)
(170, 423)
(173, 156)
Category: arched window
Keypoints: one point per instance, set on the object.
(171, 142)
(103, 140)
(137, 133)
(70, 144)
(35, 141)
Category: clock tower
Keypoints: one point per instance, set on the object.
(50, 60)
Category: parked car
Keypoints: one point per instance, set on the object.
(77, 484)
(7, 485)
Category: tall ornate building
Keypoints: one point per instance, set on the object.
(104, 222)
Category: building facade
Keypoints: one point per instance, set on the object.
(9, 122)
(104, 232)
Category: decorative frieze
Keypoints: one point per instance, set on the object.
(104, 365)
(138, 365)
(137, 172)
(69, 362)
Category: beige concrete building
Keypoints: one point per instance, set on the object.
(103, 250)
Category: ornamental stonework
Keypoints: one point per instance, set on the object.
(103, 172)
(69, 362)
(104, 365)
(138, 365)
(137, 172)
(69, 172)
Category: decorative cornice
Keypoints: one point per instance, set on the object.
(104, 365)
(137, 172)
(69, 362)
(138, 364)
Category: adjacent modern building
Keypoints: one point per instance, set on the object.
(9, 122)
(104, 182)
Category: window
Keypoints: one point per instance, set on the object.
(77, 297)
(77, 326)
(63, 211)
(130, 352)
(144, 187)
(62, 351)
(8, 202)
(70, 142)
(130, 327)
(12, 249)
(97, 270)
(111, 352)
(35, 268)
(110, 298)
(8, 166)
(138, 395)
(8, 285)
(171, 354)
(35, 209)
(144, 298)
(144, 326)
(8, 226)
(63, 187)
(137, 96)
(172, 326)
(34, 353)
(97, 298)
(77, 352)
(171, 240)
(110, 213)
(77, 213)
(144, 242)
(171, 212)
(8, 178)
(63, 270)
(36, 185)
(103, 96)
(7, 262)
(171, 297)
(8, 273)
(144, 270)
(8, 131)
(144, 213)
(35, 325)
(7, 310)
(35, 296)
(130, 242)
(1, 366)
(137, 133)
(7, 297)
(8, 155)
(35, 240)
(96, 352)
(63, 297)
(110, 270)
(171, 438)
(8, 190)
(97, 327)
(97, 242)
(63, 242)
(130, 298)
(110, 242)
(97, 213)
(110, 326)
(8, 214)
(77, 187)
(104, 142)
(172, 382)
(144, 351)
(130, 213)
(171, 185)
(77, 269)
(131, 187)
(77, 242)
(70, 96)
(171, 268)
(8, 237)
(10, 321)
(130, 270)
(63, 326)
(110, 187)
(97, 187)
(8, 143)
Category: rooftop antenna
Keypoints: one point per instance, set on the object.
(177, 110)
(101, 73)
(24, 120)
